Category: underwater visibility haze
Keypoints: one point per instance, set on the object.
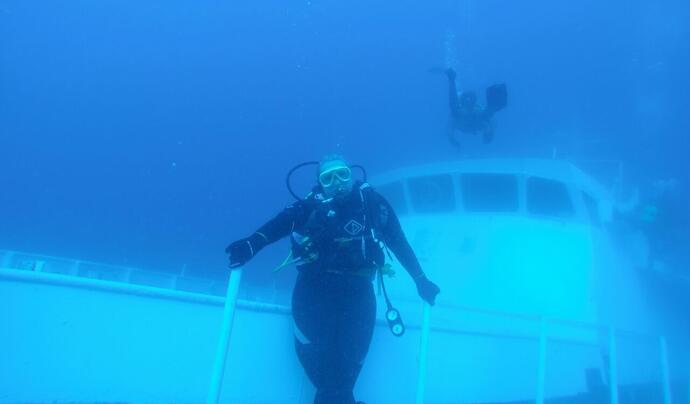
(150, 135)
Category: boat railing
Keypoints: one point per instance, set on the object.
(58, 270)
(12, 259)
(612, 333)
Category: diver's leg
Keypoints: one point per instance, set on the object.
(496, 97)
(356, 329)
(314, 329)
(453, 101)
(488, 132)
(453, 135)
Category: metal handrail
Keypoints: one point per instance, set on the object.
(580, 324)
(425, 326)
(78, 263)
(130, 288)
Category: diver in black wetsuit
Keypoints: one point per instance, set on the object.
(336, 235)
(467, 116)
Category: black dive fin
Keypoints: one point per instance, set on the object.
(496, 97)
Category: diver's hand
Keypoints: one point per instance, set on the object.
(427, 289)
(450, 73)
(242, 250)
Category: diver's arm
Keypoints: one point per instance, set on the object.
(395, 239)
(284, 222)
(241, 251)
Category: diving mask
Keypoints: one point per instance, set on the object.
(328, 177)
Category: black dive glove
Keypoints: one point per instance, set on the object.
(427, 289)
(242, 250)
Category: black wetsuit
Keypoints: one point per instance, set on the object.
(467, 117)
(333, 302)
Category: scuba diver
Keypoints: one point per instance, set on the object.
(338, 234)
(660, 217)
(659, 213)
(467, 116)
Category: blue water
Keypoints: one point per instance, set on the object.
(153, 133)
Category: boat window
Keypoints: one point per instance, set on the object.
(432, 194)
(549, 198)
(592, 209)
(395, 195)
(489, 192)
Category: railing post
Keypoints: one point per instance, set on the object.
(665, 377)
(423, 350)
(39, 265)
(224, 340)
(613, 369)
(541, 371)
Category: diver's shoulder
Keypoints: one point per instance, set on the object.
(372, 193)
(303, 205)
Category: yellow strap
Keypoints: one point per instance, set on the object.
(286, 262)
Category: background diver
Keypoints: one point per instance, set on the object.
(467, 116)
(337, 233)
